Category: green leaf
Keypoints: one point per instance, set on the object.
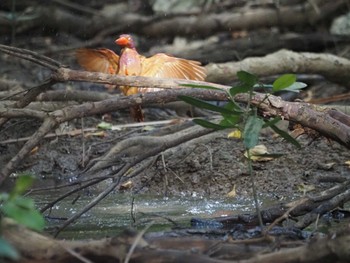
(4, 197)
(34, 220)
(262, 85)
(205, 105)
(201, 86)
(285, 136)
(271, 122)
(104, 125)
(23, 182)
(295, 87)
(283, 82)
(208, 124)
(13, 210)
(7, 250)
(243, 88)
(230, 121)
(23, 211)
(247, 78)
(24, 202)
(251, 131)
(234, 106)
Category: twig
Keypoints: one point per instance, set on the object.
(77, 7)
(323, 208)
(30, 96)
(93, 182)
(117, 178)
(74, 253)
(31, 56)
(94, 201)
(166, 182)
(136, 242)
(176, 175)
(255, 195)
(210, 156)
(285, 215)
(83, 142)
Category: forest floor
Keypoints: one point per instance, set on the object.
(209, 166)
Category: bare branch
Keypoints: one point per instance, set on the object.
(31, 56)
(193, 24)
(332, 67)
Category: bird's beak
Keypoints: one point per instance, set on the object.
(122, 41)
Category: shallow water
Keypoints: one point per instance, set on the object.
(113, 214)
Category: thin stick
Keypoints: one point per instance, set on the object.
(255, 195)
(136, 242)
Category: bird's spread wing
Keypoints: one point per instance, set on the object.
(164, 66)
(99, 60)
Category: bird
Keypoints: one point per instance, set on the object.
(131, 63)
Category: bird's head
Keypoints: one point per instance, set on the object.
(125, 41)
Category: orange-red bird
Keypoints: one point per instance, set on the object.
(131, 63)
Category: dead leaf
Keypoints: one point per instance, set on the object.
(232, 193)
(304, 188)
(148, 128)
(256, 152)
(34, 150)
(347, 163)
(237, 134)
(104, 125)
(95, 134)
(326, 166)
(127, 185)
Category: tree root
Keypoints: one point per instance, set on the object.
(136, 147)
(309, 207)
(37, 248)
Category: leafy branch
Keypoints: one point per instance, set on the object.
(22, 210)
(246, 118)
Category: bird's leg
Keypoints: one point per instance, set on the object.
(137, 113)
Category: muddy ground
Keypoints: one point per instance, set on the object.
(208, 166)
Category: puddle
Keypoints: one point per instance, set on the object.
(113, 214)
